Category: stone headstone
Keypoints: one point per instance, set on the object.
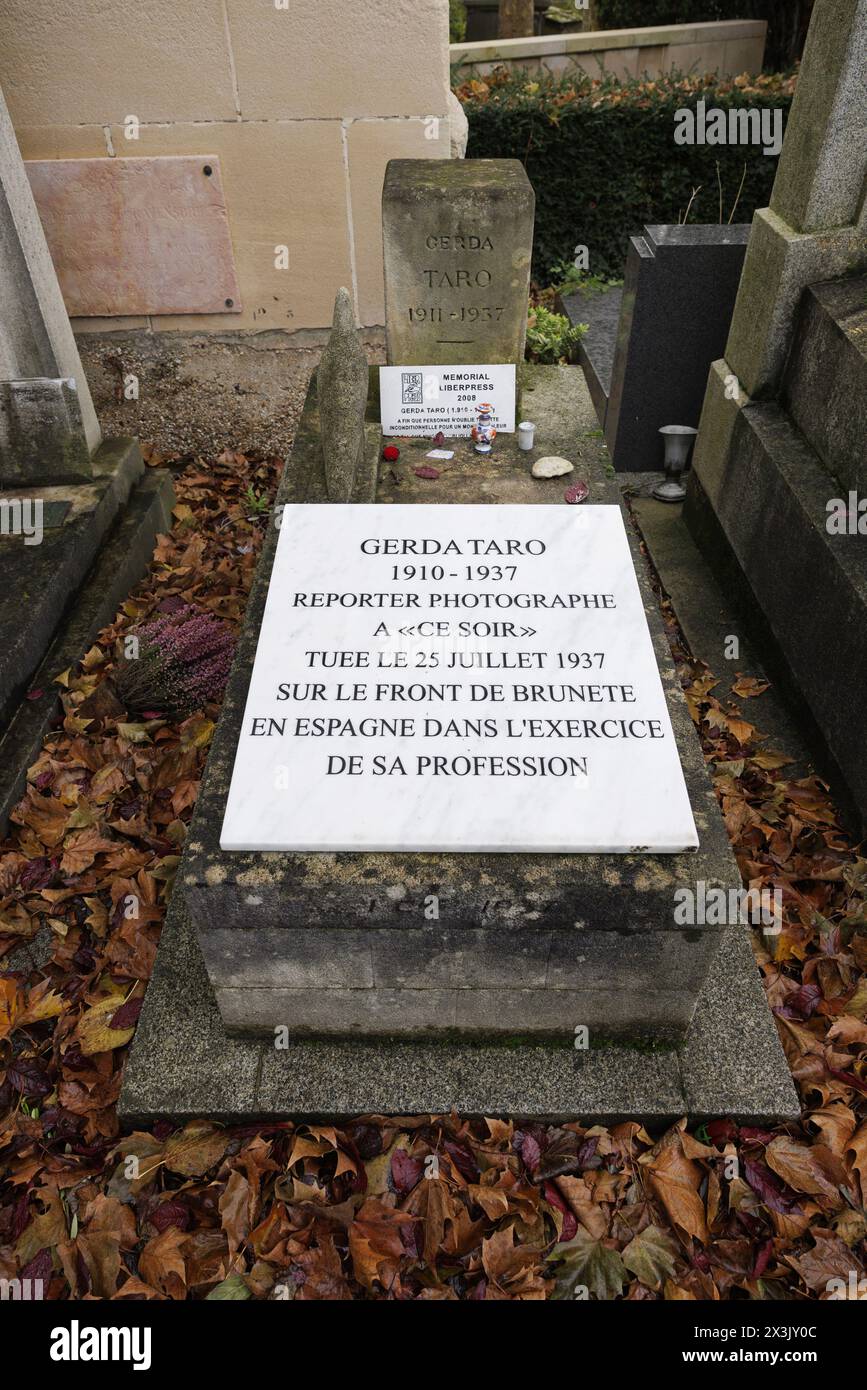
(41, 431)
(343, 379)
(458, 678)
(458, 241)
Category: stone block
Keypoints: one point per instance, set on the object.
(45, 576)
(661, 1016)
(825, 382)
(621, 63)
(469, 307)
(822, 171)
(36, 340)
(120, 559)
(61, 141)
(327, 59)
(780, 263)
(652, 60)
(742, 55)
(596, 350)
(695, 58)
(413, 957)
(165, 62)
(183, 1065)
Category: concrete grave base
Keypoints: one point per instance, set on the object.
(183, 1065)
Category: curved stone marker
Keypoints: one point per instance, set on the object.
(343, 385)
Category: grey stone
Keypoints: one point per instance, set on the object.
(816, 226)
(321, 1012)
(122, 559)
(780, 263)
(825, 385)
(600, 312)
(41, 432)
(182, 1064)
(436, 956)
(732, 1050)
(486, 901)
(678, 295)
(312, 980)
(751, 464)
(820, 178)
(458, 240)
(36, 340)
(343, 386)
(41, 579)
(551, 467)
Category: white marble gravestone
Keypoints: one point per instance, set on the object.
(455, 678)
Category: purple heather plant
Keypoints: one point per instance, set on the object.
(184, 659)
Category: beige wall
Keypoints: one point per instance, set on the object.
(728, 47)
(303, 105)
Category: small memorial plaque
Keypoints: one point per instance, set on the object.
(421, 401)
(456, 678)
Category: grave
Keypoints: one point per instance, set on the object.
(422, 942)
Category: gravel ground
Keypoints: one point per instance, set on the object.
(200, 394)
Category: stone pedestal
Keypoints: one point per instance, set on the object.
(458, 241)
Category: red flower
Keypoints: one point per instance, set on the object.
(391, 453)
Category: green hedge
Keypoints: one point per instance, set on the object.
(457, 21)
(602, 158)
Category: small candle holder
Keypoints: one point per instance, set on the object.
(678, 442)
(484, 433)
(526, 435)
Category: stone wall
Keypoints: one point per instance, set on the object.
(301, 103)
(727, 47)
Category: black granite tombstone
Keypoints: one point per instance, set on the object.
(649, 349)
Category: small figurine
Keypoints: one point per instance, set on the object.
(483, 431)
